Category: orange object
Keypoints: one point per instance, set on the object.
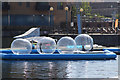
(116, 23)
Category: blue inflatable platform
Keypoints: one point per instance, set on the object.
(8, 55)
(58, 56)
(114, 50)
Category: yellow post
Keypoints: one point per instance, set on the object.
(116, 23)
(116, 26)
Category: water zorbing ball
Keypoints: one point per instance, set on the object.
(84, 42)
(21, 46)
(46, 45)
(37, 39)
(66, 45)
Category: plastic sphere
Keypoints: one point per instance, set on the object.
(84, 41)
(37, 39)
(21, 46)
(66, 45)
(46, 45)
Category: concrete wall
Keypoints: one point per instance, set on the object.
(105, 40)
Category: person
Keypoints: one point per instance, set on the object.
(117, 30)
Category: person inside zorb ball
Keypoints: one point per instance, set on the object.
(21, 46)
(66, 45)
(84, 42)
(46, 45)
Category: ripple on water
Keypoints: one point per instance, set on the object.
(61, 69)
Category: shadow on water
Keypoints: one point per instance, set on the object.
(60, 69)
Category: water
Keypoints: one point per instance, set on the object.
(60, 69)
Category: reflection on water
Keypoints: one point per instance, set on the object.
(60, 69)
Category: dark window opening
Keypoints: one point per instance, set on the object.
(42, 6)
(5, 6)
(20, 3)
(27, 4)
(60, 6)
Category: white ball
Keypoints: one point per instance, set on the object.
(84, 41)
(66, 45)
(21, 46)
(46, 45)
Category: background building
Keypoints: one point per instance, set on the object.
(18, 17)
(21, 16)
(106, 9)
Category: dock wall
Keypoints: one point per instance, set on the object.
(110, 40)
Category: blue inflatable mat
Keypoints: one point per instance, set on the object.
(58, 56)
(7, 54)
(118, 50)
(56, 51)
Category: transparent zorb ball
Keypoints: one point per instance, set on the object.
(46, 45)
(21, 46)
(37, 39)
(84, 42)
(66, 45)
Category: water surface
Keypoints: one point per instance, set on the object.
(60, 68)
